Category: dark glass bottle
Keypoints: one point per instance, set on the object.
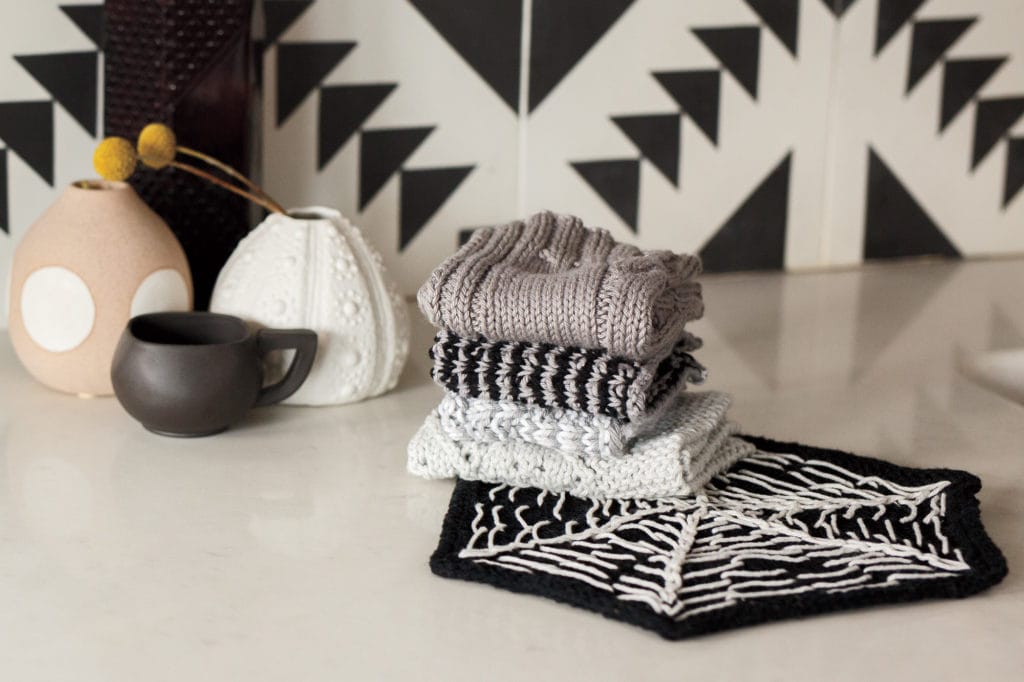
(192, 64)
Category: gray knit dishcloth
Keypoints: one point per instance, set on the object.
(676, 461)
(552, 280)
(577, 433)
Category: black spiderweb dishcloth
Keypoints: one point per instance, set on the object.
(789, 531)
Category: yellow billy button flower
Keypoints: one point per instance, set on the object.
(157, 145)
(114, 159)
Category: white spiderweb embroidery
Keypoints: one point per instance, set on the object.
(774, 525)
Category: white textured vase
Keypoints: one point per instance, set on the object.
(313, 269)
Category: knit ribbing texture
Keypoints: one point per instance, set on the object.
(552, 280)
(696, 444)
(584, 380)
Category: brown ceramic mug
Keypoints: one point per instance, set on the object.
(195, 374)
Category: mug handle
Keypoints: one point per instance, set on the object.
(303, 341)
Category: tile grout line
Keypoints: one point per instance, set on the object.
(524, 107)
(831, 149)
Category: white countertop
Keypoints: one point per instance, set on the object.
(295, 547)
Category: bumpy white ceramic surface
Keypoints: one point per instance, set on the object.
(295, 546)
(316, 271)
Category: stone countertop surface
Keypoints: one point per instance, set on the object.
(295, 546)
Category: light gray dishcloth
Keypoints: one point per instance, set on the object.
(552, 280)
(595, 435)
(671, 463)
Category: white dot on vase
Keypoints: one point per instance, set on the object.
(278, 307)
(162, 291)
(350, 358)
(57, 309)
(349, 308)
(289, 261)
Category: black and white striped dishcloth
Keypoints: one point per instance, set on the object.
(585, 380)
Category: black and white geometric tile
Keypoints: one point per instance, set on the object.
(761, 133)
(50, 83)
(669, 145)
(925, 157)
(409, 154)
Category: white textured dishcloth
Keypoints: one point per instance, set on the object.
(478, 419)
(675, 461)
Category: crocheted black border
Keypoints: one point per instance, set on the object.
(962, 524)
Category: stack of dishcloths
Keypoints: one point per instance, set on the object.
(591, 475)
(565, 360)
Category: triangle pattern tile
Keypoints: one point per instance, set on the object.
(929, 40)
(896, 226)
(993, 119)
(300, 68)
(90, 20)
(961, 80)
(381, 153)
(697, 94)
(343, 109)
(658, 138)
(892, 14)
(423, 192)
(27, 129)
(280, 14)
(70, 78)
(486, 34)
(782, 17)
(1014, 178)
(617, 182)
(563, 31)
(754, 236)
(738, 50)
(838, 7)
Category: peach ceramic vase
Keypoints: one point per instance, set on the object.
(97, 257)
